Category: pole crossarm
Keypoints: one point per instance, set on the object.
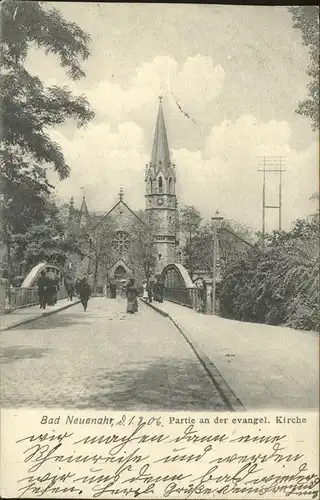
(271, 170)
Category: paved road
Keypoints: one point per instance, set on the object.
(103, 358)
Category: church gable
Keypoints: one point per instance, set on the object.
(120, 225)
(123, 216)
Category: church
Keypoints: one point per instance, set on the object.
(121, 242)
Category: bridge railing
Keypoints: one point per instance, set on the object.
(22, 297)
(184, 296)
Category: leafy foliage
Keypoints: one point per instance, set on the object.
(143, 249)
(45, 239)
(234, 239)
(28, 111)
(95, 245)
(306, 18)
(30, 22)
(190, 228)
(278, 283)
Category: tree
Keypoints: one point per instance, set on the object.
(190, 228)
(234, 239)
(306, 18)
(98, 246)
(279, 282)
(143, 247)
(43, 241)
(29, 110)
(49, 239)
(23, 197)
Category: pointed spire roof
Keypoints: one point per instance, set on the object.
(84, 208)
(160, 150)
(84, 217)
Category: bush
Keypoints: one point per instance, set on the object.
(302, 314)
(277, 283)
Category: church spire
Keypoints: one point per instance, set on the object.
(84, 208)
(84, 217)
(160, 151)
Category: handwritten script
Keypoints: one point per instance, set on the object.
(155, 457)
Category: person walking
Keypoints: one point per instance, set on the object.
(113, 289)
(77, 286)
(84, 292)
(132, 294)
(145, 291)
(70, 289)
(51, 290)
(150, 291)
(158, 290)
(56, 288)
(42, 290)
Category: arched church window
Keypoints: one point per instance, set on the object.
(160, 185)
(150, 185)
(170, 185)
(121, 242)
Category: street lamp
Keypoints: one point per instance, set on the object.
(216, 224)
(90, 241)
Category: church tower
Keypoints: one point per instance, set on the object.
(161, 201)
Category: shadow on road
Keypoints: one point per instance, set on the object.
(55, 321)
(14, 353)
(172, 384)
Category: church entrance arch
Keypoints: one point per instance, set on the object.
(120, 273)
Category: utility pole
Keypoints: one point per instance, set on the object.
(271, 164)
(216, 224)
(214, 267)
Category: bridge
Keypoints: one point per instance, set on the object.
(181, 289)
(178, 286)
(27, 294)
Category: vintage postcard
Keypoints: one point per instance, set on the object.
(159, 251)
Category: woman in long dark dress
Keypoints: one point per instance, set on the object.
(132, 294)
(51, 289)
(158, 290)
(150, 291)
(70, 288)
(42, 290)
(113, 289)
(84, 292)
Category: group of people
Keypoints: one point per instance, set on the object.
(48, 287)
(153, 290)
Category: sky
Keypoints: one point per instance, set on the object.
(237, 71)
